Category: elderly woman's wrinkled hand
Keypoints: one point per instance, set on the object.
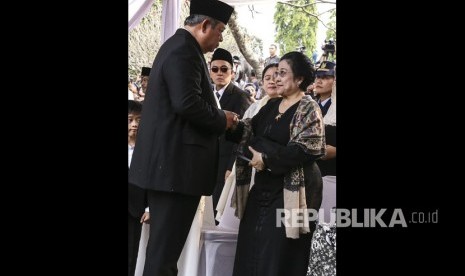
(257, 160)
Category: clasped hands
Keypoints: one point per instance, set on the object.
(232, 119)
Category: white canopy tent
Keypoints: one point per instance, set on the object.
(170, 13)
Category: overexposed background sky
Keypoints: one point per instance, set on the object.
(261, 25)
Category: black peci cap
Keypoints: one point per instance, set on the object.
(213, 8)
(145, 71)
(222, 54)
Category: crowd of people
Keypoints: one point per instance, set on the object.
(195, 125)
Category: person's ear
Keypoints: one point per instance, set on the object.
(205, 25)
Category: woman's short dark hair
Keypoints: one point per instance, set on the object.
(268, 67)
(301, 66)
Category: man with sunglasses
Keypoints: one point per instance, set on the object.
(231, 98)
(176, 154)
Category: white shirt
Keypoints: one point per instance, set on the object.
(130, 152)
(325, 101)
(221, 91)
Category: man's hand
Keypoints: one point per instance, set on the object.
(231, 118)
(226, 175)
(145, 218)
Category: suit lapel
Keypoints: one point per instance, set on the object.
(226, 95)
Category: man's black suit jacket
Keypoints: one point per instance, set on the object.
(236, 100)
(177, 142)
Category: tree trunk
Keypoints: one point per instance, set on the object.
(248, 54)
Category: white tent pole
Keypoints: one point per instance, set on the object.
(170, 18)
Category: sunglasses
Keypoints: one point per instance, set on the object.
(223, 69)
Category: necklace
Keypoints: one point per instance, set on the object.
(278, 116)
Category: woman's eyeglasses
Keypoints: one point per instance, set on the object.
(280, 73)
(223, 69)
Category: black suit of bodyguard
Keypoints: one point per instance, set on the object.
(176, 151)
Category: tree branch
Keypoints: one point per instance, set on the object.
(302, 7)
(240, 41)
(306, 5)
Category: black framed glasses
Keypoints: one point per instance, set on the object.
(223, 69)
(280, 73)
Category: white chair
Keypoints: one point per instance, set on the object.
(218, 243)
(328, 202)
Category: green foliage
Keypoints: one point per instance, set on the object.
(331, 26)
(330, 34)
(295, 27)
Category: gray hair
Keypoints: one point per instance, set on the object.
(195, 19)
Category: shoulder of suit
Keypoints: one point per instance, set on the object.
(238, 90)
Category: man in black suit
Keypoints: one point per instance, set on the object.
(231, 98)
(176, 154)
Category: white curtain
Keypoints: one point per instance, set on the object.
(170, 18)
(137, 9)
(170, 15)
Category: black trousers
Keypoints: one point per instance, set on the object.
(134, 232)
(171, 216)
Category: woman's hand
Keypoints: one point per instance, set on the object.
(330, 153)
(257, 160)
(145, 218)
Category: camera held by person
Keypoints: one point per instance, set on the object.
(329, 47)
